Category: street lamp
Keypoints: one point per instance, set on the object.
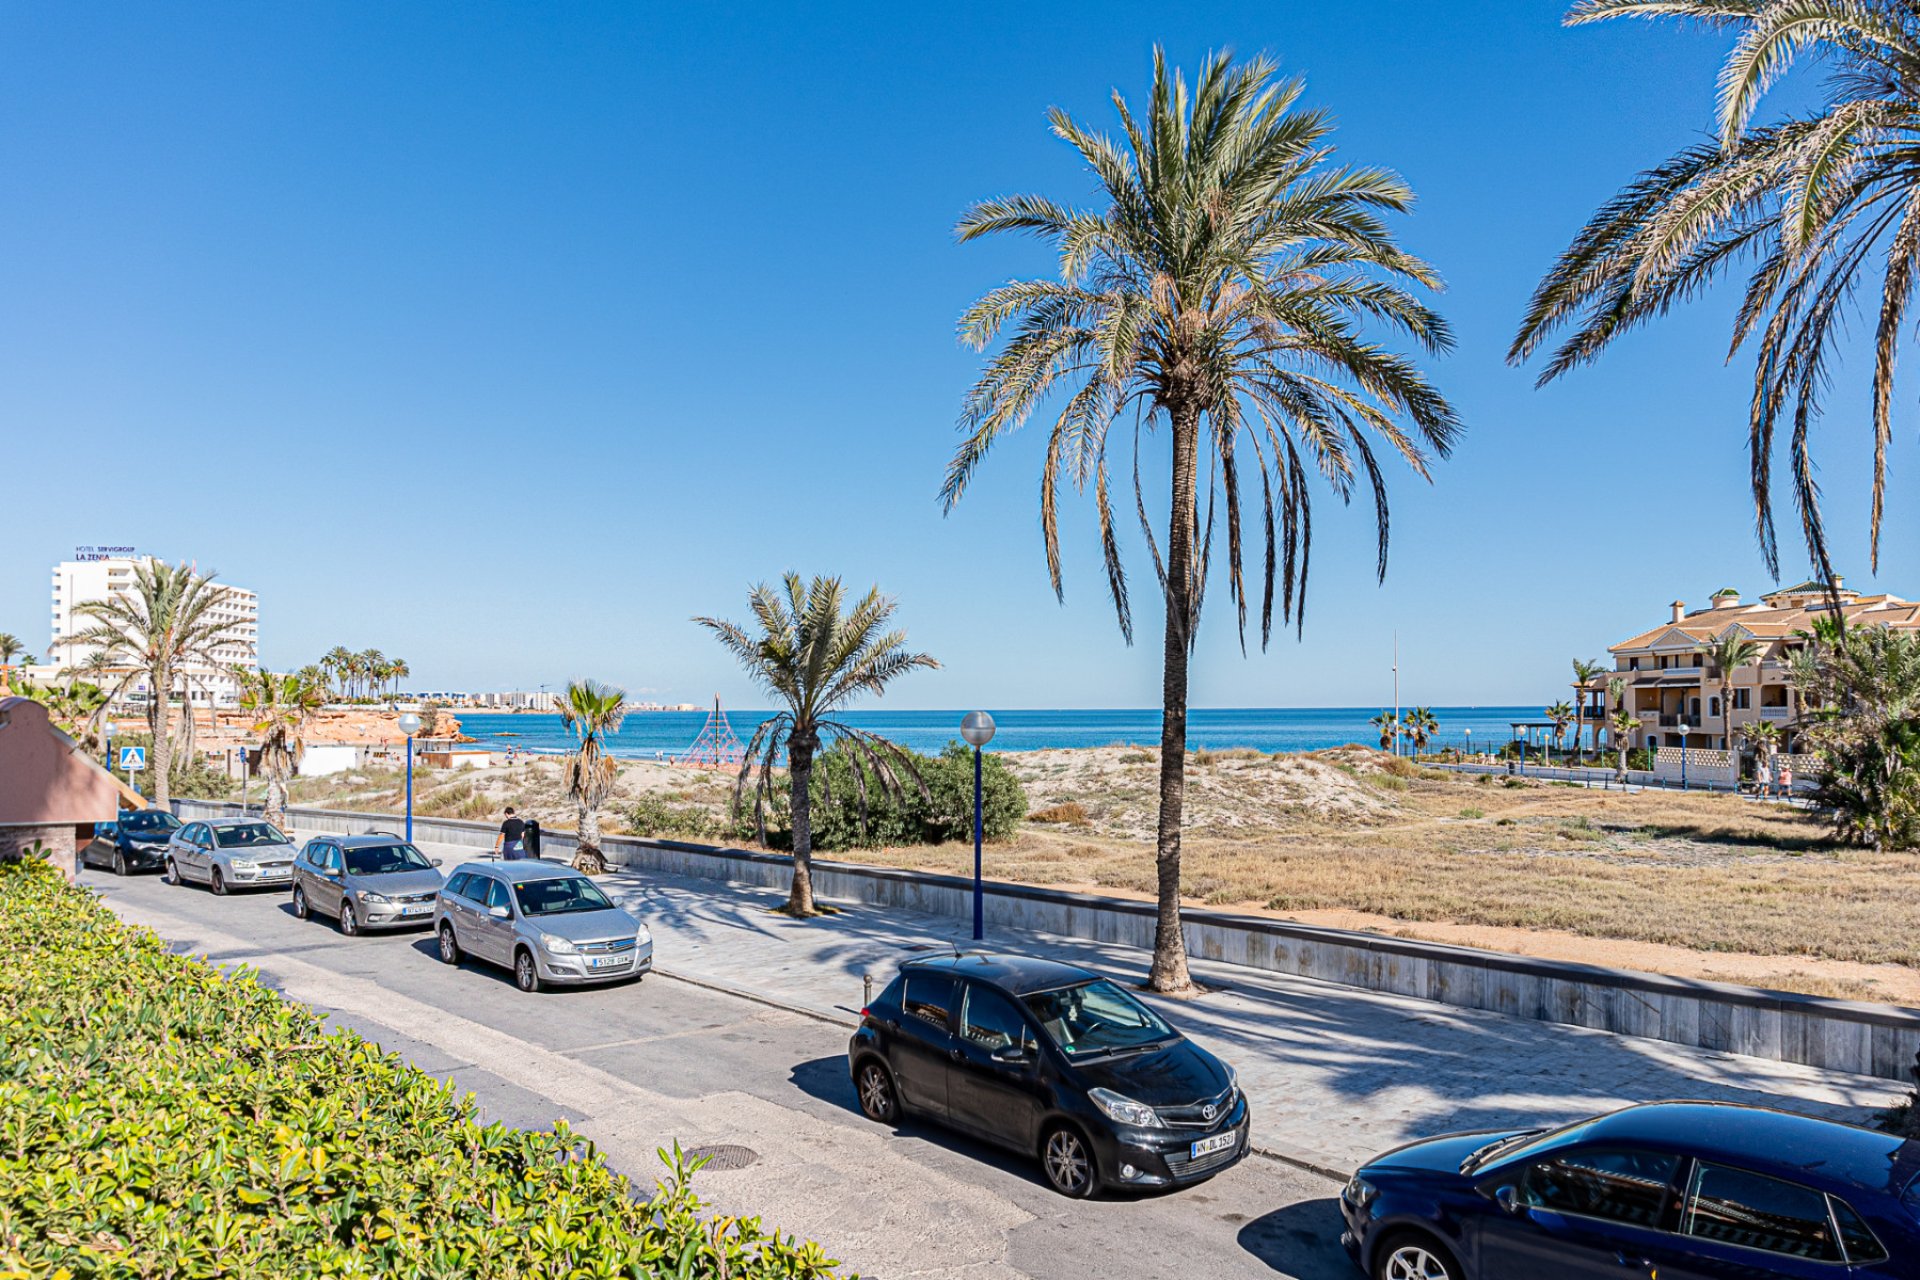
(977, 729)
(409, 725)
(1469, 744)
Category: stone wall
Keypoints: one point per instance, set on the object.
(56, 844)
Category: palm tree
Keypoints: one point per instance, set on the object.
(1623, 724)
(280, 708)
(10, 646)
(1422, 725)
(1389, 726)
(1731, 650)
(1223, 288)
(591, 711)
(168, 621)
(1822, 204)
(1561, 715)
(1764, 737)
(397, 670)
(338, 663)
(371, 662)
(314, 674)
(1584, 674)
(1866, 729)
(815, 660)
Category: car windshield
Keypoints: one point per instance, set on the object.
(384, 859)
(1096, 1017)
(559, 896)
(1531, 1141)
(249, 835)
(150, 820)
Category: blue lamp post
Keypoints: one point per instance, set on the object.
(977, 729)
(409, 725)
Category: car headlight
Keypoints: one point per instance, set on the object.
(244, 864)
(558, 946)
(1360, 1193)
(380, 898)
(643, 937)
(1124, 1110)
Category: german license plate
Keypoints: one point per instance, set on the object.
(607, 962)
(416, 908)
(1207, 1146)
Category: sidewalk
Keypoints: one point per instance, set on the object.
(1335, 1074)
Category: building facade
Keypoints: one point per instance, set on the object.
(1673, 692)
(75, 582)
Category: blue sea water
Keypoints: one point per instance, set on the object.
(654, 733)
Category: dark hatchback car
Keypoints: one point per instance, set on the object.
(1678, 1190)
(137, 841)
(1051, 1061)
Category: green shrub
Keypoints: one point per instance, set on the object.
(945, 812)
(651, 815)
(161, 1118)
(1473, 813)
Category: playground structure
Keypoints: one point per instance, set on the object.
(717, 747)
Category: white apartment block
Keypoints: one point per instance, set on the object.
(97, 576)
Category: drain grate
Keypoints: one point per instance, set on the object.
(723, 1157)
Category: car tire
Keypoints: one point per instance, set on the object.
(879, 1099)
(1068, 1162)
(171, 873)
(526, 972)
(301, 910)
(349, 919)
(120, 867)
(449, 945)
(217, 882)
(1414, 1255)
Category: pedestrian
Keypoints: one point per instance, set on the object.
(1786, 781)
(1763, 781)
(510, 843)
(532, 837)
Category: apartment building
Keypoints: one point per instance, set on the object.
(105, 576)
(1674, 693)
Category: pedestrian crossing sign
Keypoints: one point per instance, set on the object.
(133, 759)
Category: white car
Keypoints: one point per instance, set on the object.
(230, 853)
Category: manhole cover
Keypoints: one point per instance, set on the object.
(723, 1157)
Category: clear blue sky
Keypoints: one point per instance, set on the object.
(506, 337)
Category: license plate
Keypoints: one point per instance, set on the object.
(1207, 1146)
(416, 908)
(276, 873)
(608, 962)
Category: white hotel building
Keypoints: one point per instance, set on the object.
(102, 577)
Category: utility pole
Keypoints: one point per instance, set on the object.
(1396, 691)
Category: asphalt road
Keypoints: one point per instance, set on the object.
(635, 1067)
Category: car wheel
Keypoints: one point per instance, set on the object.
(120, 867)
(1414, 1257)
(1069, 1163)
(218, 882)
(449, 945)
(301, 911)
(878, 1101)
(526, 974)
(349, 922)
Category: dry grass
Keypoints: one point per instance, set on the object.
(1070, 813)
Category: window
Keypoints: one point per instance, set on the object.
(329, 857)
(1096, 1017)
(1737, 1207)
(1618, 1186)
(929, 997)
(990, 1020)
(559, 896)
(496, 894)
(150, 820)
(1857, 1238)
(249, 835)
(460, 883)
(1742, 699)
(381, 859)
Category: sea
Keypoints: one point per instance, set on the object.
(665, 734)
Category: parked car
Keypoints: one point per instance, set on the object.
(230, 853)
(137, 841)
(1682, 1190)
(546, 922)
(371, 881)
(1052, 1061)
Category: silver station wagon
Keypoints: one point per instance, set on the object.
(547, 923)
(372, 881)
(230, 853)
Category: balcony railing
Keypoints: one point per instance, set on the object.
(1680, 722)
(1776, 713)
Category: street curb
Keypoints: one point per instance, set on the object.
(1314, 1162)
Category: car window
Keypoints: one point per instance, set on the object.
(559, 895)
(384, 859)
(249, 835)
(989, 1019)
(103, 830)
(929, 997)
(1096, 1017)
(150, 820)
(458, 885)
(330, 857)
(496, 893)
(1855, 1235)
(1619, 1186)
(1737, 1207)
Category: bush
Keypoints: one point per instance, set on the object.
(651, 815)
(945, 812)
(188, 779)
(163, 1118)
(1072, 812)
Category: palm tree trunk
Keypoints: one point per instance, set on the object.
(800, 774)
(1579, 721)
(162, 724)
(275, 808)
(1726, 733)
(1169, 941)
(588, 826)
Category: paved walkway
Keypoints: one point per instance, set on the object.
(1335, 1074)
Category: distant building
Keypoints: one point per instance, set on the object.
(75, 582)
(1675, 696)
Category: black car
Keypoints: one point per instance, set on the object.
(1053, 1061)
(136, 842)
(1681, 1190)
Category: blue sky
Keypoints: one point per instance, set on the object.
(507, 337)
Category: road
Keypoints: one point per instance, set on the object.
(636, 1067)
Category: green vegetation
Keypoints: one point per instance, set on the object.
(366, 676)
(853, 809)
(1866, 731)
(280, 708)
(590, 710)
(165, 1119)
(652, 815)
(189, 777)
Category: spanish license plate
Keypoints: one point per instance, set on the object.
(276, 873)
(1207, 1146)
(416, 908)
(607, 962)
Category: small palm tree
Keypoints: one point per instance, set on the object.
(1584, 674)
(1764, 737)
(371, 663)
(1623, 725)
(279, 707)
(397, 670)
(1732, 650)
(1389, 726)
(1422, 726)
(168, 621)
(815, 659)
(1561, 714)
(338, 663)
(591, 712)
(10, 646)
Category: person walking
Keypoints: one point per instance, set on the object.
(511, 842)
(1786, 781)
(1763, 781)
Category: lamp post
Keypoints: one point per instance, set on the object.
(1469, 744)
(409, 725)
(977, 729)
(1683, 747)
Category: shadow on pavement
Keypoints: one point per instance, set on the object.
(1301, 1240)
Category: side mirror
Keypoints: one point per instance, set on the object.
(500, 913)
(433, 861)
(1508, 1198)
(1013, 1053)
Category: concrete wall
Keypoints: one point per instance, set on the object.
(1839, 1035)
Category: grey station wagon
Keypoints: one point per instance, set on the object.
(372, 881)
(546, 922)
(230, 853)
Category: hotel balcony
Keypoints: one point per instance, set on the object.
(1776, 713)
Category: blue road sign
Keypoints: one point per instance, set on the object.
(133, 759)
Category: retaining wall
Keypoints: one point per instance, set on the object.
(1838, 1035)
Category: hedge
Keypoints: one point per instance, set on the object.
(159, 1118)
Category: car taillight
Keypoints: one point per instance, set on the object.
(864, 1013)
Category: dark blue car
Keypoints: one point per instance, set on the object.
(137, 842)
(1667, 1191)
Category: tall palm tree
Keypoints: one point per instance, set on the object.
(1584, 674)
(371, 662)
(1728, 652)
(10, 646)
(338, 662)
(1421, 726)
(1816, 206)
(1389, 726)
(169, 620)
(591, 711)
(1561, 714)
(397, 670)
(815, 657)
(1623, 725)
(1223, 289)
(280, 707)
